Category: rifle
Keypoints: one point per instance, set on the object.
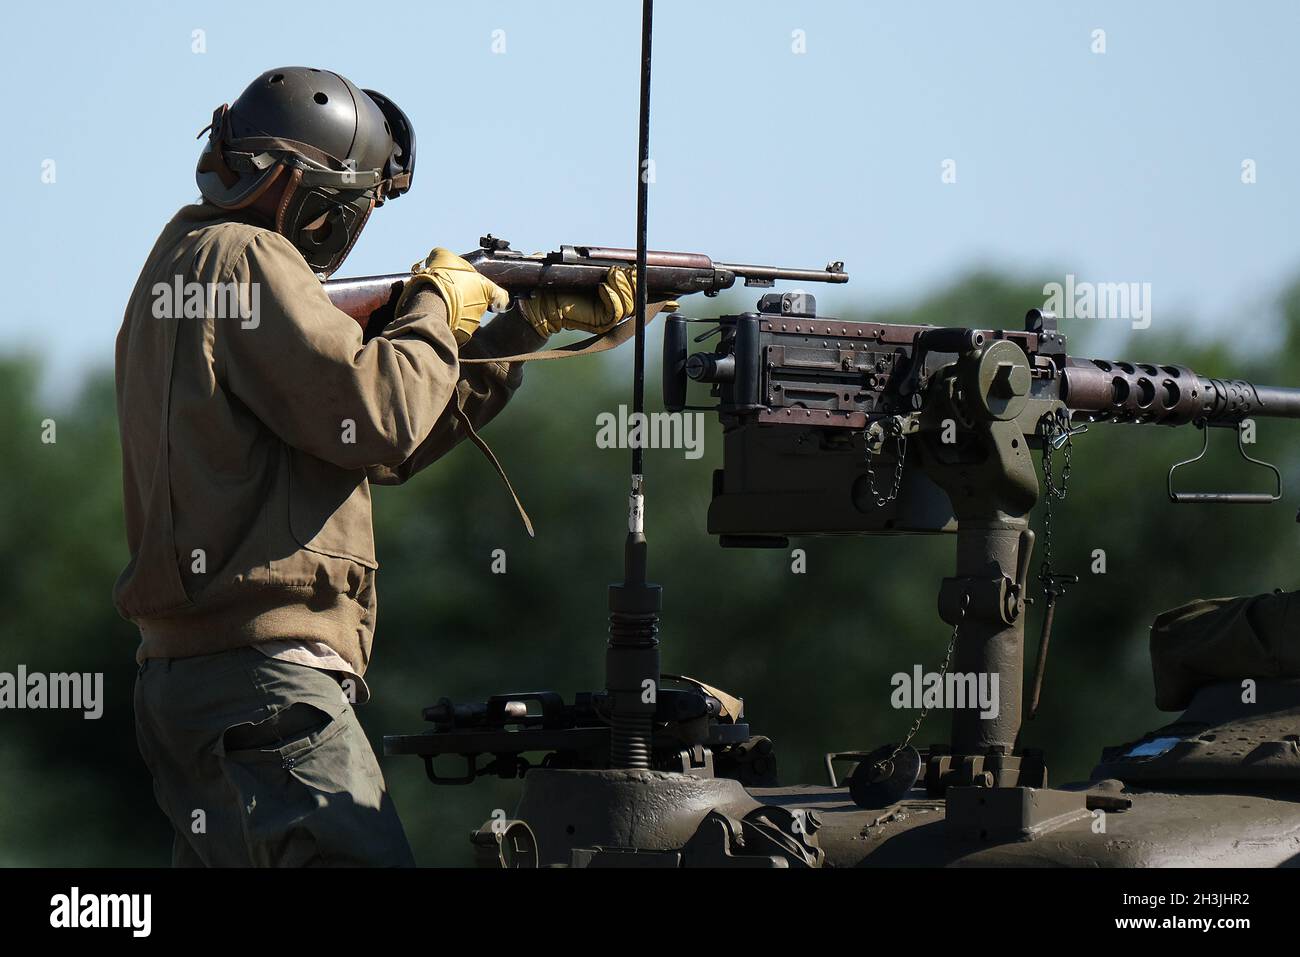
(370, 299)
(837, 427)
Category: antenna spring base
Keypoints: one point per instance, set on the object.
(632, 673)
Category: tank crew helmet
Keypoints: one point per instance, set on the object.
(343, 150)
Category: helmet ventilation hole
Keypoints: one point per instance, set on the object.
(321, 98)
(278, 78)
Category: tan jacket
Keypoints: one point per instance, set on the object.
(250, 438)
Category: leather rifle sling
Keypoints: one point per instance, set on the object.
(603, 342)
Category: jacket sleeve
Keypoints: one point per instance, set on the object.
(482, 391)
(300, 365)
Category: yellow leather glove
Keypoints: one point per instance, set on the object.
(467, 292)
(549, 311)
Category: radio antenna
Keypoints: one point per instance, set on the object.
(632, 655)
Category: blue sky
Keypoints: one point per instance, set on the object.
(1122, 166)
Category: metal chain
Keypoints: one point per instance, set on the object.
(1055, 427)
(943, 671)
(1056, 432)
(900, 440)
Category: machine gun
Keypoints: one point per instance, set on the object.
(370, 299)
(847, 396)
(836, 427)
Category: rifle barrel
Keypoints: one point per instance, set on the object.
(832, 273)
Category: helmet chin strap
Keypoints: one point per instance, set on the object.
(291, 187)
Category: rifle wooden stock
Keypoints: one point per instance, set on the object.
(369, 300)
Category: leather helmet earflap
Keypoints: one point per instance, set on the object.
(323, 223)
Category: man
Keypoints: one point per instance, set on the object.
(250, 437)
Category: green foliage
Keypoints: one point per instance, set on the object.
(811, 654)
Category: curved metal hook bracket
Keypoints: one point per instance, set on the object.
(1224, 498)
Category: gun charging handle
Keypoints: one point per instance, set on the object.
(734, 369)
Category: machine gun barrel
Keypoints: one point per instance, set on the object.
(1101, 390)
(1278, 401)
